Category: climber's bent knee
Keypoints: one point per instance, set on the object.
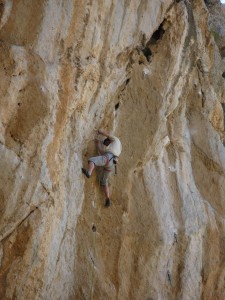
(99, 161)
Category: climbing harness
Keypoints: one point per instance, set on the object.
(107, 163)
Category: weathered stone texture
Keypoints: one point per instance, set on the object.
(217, 23)
(150, 72)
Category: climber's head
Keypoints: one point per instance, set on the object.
(106, 142)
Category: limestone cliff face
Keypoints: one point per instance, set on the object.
(217, 23)
(150, 72)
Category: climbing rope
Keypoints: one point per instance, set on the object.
(93, 262)
(93, 246)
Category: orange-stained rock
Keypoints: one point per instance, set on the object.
(150, 72)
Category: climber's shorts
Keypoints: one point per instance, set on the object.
(99, 161)
(105, 176)
(105, 161)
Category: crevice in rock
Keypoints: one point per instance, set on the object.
(121, 91)
(157, 35)
(203, 98)
(33, 208)
(169, 278)
(15, 139)
(147, 52)
(127, 81)
(8, 234)
(199, 70)
(51, 200)
(208, 162)
(94, 228)
(175, 238)
(117, 106)
(200, 66)
(223, 107)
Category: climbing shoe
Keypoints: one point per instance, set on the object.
(85, 172)
(107, 202)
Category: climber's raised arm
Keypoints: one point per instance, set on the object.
(106, 134)
(100, 146)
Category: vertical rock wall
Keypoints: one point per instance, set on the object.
(217, 23)
(150, 72)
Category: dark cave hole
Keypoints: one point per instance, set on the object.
(157, 35)
(147, 53)
(117, 106)
(127, 81)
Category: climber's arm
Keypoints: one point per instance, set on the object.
(100, 147)
(106, 134)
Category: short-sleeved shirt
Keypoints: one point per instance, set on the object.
(115, 146)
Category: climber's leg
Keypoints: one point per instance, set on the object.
(88, 172)
(106, 191)
(105, 185)
(91, 167)
(99, 161)
(85, 172)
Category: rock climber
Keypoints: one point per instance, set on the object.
(110, 149)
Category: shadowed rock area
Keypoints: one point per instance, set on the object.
(151, 73)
